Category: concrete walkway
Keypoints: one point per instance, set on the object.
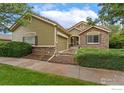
(101, 76)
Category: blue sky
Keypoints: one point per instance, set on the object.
(66, 14)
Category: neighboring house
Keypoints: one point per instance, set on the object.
(85, 36)
(42, 32)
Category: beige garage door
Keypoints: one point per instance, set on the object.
(62, 43)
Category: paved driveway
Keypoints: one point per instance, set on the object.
(108, 77)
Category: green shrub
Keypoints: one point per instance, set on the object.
(2, 42)
(116, 41)
(101, 58)
(15, 49)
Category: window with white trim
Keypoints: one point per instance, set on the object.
(30, 38)
(93, 39)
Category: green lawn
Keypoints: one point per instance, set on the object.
(10, 75)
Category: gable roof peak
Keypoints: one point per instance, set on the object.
(79, 23)
(98, 27)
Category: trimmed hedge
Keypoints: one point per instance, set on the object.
(15, 49)
(101, 58)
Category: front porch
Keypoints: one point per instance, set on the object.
(74, 42)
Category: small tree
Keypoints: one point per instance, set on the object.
(117, 39)
(90, 21)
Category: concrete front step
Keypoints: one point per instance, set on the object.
(64, 59)
(33, 56)
(38, 57)
(66, 53)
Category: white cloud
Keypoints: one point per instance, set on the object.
(66, 18)
(48, 7)
(44, 7)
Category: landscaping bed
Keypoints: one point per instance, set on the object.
(14, 49)
(101, 58)
(11, 75)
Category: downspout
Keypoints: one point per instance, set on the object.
(55, 43)
(55, 38)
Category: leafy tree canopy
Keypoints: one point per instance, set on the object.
(114, 29)
(112, 13)
(10, 12)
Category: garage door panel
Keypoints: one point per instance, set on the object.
(62, 43)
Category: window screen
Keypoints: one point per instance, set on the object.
(92, 38)
(30, 39)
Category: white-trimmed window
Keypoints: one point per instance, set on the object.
(93, 39)
(30, 38)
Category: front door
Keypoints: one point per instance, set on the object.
(74, 41)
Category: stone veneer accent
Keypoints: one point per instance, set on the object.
(104, 39)
(43, 52)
